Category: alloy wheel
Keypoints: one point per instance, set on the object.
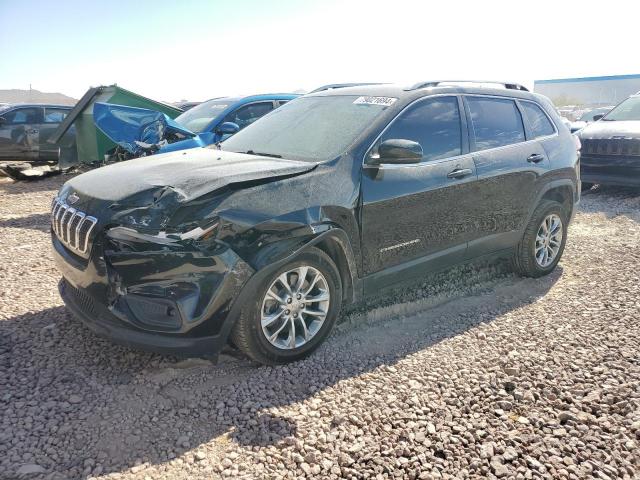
(294, 307)
(548, 240)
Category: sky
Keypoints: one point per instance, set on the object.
(199, 49)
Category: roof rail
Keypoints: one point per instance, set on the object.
(436, 83)
(333, 86)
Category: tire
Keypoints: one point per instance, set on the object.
(524, 259)
(248, 334)
(586, 186)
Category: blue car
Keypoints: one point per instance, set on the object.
(141, 132)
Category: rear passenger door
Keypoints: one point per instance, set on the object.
(53, 116)
(508, 164)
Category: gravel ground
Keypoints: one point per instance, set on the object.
(476, 374)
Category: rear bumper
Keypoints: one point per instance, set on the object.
(103, 323)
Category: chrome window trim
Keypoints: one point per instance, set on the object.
(457, 95)
(511, 144)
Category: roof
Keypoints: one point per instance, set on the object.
(333, 86)
(251, 98)
(588, 79)
(402, 92)
(50, 105)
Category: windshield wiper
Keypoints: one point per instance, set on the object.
(260, 154)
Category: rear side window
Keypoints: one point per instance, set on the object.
(54, 115)
(434, 124)
(495, 122)
(539, 123)
(21, 116)
(248, 114)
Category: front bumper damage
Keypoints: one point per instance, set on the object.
(172, 300)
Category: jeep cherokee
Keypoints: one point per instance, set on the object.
(324, 201)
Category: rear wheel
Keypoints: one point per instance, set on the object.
(543, 241)
(292, 311)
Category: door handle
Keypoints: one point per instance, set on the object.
(535, 158)
(460, 173)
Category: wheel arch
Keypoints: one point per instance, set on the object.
(330, 239)
(562, 191)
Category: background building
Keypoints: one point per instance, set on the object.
(589, 91)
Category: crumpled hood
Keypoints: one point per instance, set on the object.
(190, 173)
(125, 125)
(606, 130)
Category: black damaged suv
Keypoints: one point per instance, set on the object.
(324, 201)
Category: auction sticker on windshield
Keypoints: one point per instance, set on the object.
(383, 101)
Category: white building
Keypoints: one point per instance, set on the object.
(588, 91)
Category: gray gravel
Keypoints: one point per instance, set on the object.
(477, 374)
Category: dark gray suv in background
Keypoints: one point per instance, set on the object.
(324, 201)
(25, 129)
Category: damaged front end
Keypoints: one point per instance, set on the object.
(148, 284)
(155, 254)
(171, 283)
(137, 132)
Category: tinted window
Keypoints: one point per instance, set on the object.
(248, 114)
(54, 115)
(538, 121)
(434, 124)
(495, 122)
(21, 115)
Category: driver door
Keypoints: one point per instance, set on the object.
(419, 217)
(19, 133)
(246, 115)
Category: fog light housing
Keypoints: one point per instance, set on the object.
(159, 313)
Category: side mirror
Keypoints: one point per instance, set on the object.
(227, 128)
(397, 151)
(598, 117)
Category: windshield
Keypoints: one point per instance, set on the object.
(627, 110)
(197, 118)
(310, 128)
(588, 115)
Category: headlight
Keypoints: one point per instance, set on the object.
(164, 238)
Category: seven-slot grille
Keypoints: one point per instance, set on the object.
(611, 146)
(72, 227)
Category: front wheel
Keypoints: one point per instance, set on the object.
(543, 241)
(292, 311)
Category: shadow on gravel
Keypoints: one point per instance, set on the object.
(10, 187)
(79, 406)
(36, 221)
